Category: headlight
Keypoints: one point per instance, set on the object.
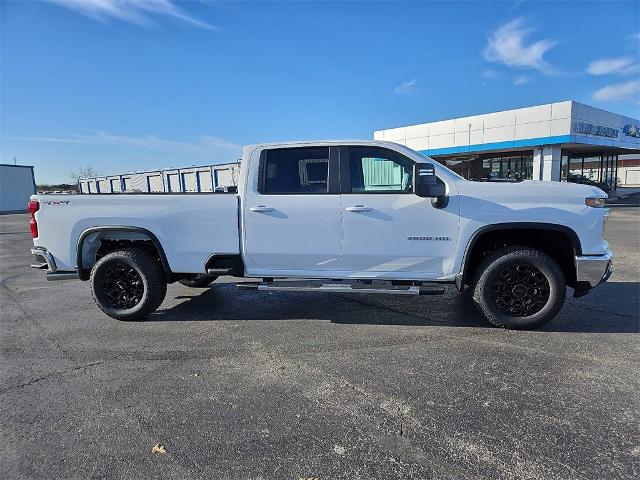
(595, 202)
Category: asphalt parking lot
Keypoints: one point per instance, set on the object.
(238, 384)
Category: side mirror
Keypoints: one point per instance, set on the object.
(425, 182)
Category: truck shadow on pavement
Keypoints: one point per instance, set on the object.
(613, 307)
(598, 312)
(223, 302)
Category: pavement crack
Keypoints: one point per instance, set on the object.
(51, 374)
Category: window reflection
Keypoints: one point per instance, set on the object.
(564, 168)
(594, 168)
(512, 166)
(589, 168)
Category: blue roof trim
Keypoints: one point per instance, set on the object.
(528, 142)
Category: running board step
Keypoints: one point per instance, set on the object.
(218, 271)
(61, 275)
(343, 288)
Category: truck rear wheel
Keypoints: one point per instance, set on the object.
(198, 280)
(128, 284)
(519, 288)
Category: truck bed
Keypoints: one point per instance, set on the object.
(190, 227)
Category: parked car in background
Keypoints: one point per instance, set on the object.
(582, 180)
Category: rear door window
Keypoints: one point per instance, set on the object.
(296, 170)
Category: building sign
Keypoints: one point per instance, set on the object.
(598, 130)
(631, 130)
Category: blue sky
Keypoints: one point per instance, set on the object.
(133, 85)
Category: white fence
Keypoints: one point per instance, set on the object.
(208, 178)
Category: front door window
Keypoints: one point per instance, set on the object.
(377, 170)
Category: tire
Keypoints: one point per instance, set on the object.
(128, 284)
(519, 288)
(198, 280)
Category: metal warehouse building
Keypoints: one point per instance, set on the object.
(17, 184)
(207, 178)
(564, 141)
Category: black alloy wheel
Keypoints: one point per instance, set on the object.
(519, 287)
(122, 286)
(128, 284)
(520, 290)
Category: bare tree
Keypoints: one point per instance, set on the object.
(83, 172)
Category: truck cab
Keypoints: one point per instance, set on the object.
(338, 210)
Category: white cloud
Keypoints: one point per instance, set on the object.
(132, 11)
(201, 144)
(507, 45)
(626, 91)
(521, 80)
(217, 142)
(405, 87)
(607, 66)
(490, 74)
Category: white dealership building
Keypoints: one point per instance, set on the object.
(564, 141)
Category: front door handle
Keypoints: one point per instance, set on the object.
(261, 208)
(358, 208)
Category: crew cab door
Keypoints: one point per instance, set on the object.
(388, 231)
(291, 212)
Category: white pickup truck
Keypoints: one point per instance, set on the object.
(357, 216)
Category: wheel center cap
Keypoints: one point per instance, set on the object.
(520, 291)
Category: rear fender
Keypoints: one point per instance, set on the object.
(91, 239)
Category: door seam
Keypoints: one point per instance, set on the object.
(341, 234)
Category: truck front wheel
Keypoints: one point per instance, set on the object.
(519, 288)
(128, 284)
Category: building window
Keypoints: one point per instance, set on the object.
(508, 166)
(564, 168)
(575, 168)
(589, 169)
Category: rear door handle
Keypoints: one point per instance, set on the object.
(261, 208)
(358, 208)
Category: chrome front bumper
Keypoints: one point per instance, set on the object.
(592, 270)
(45, 260)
